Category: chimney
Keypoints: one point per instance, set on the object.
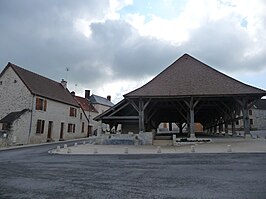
(87, 94)
(73, 93)
(64, 83)
(109, 98)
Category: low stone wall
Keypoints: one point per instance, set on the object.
(143, 138)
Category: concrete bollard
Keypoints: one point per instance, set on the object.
(68, 150)
(76, 144)
(126, 150)
(65, 146)
(229, 148)
(58, 149)
(95, 150)
(192, 149)
(159, 150)
(84, 142)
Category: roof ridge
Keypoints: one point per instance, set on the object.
(189, 76)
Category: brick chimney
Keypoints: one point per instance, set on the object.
(109, 98)
(64, 83)
(73, 93)
(87, 94)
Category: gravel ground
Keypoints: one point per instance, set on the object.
(33, 173)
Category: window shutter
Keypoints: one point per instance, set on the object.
(45, 105)
(74, 128)
(43, 126)
(37, 103)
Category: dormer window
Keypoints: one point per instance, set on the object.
(41, 104)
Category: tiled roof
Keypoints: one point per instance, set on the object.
(43, 86)
(95, 99)
(188, 76)
(260, 104)
(85, 104)
(11, 117)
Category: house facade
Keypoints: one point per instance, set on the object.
(35, 109)
(257, 116)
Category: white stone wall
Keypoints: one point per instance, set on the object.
(19, 133)
(259, 119)
(14, 96)
(100, 108)
(57, 113)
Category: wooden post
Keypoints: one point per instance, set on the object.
(170, 126)
(141, 115)
(244, 107)
(192, 123)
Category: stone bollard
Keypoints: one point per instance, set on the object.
(76, 144)
(192, 149)
(229, 148)
(58, 149)
(126, 150)
(84, 142)
(65, 146)
(95, 150)
(68, 150)
(159, 150)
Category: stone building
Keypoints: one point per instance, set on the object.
(36, 109)
(257, 116)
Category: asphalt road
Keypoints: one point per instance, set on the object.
(33, 173)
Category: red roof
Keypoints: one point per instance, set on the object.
(85, 104)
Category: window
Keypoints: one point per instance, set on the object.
(1, 82)
(237, 122)
(41, 104)
(80, 116)
(250, 112)
(73, 112)
(82, 127)
(40, 126)
(5, 126)
(251, 121)
(71, 128)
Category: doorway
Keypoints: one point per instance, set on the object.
(61, 132)
(50, 128)
(89, 131)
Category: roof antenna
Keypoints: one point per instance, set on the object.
(76, 87)
(67, 70)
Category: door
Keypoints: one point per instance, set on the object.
(62, 131)
(50, 128)
(89, 131)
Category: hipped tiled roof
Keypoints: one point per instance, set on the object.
(42, 86)
(260, 104)
(188, 76)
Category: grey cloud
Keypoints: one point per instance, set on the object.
(223, 45)
(40, 35)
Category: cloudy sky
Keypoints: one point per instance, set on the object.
(112, 47)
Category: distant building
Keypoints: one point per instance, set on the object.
(257, 116)
(93, 105)
(36, 109)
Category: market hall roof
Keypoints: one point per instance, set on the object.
(188, 76)
(43, 86)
